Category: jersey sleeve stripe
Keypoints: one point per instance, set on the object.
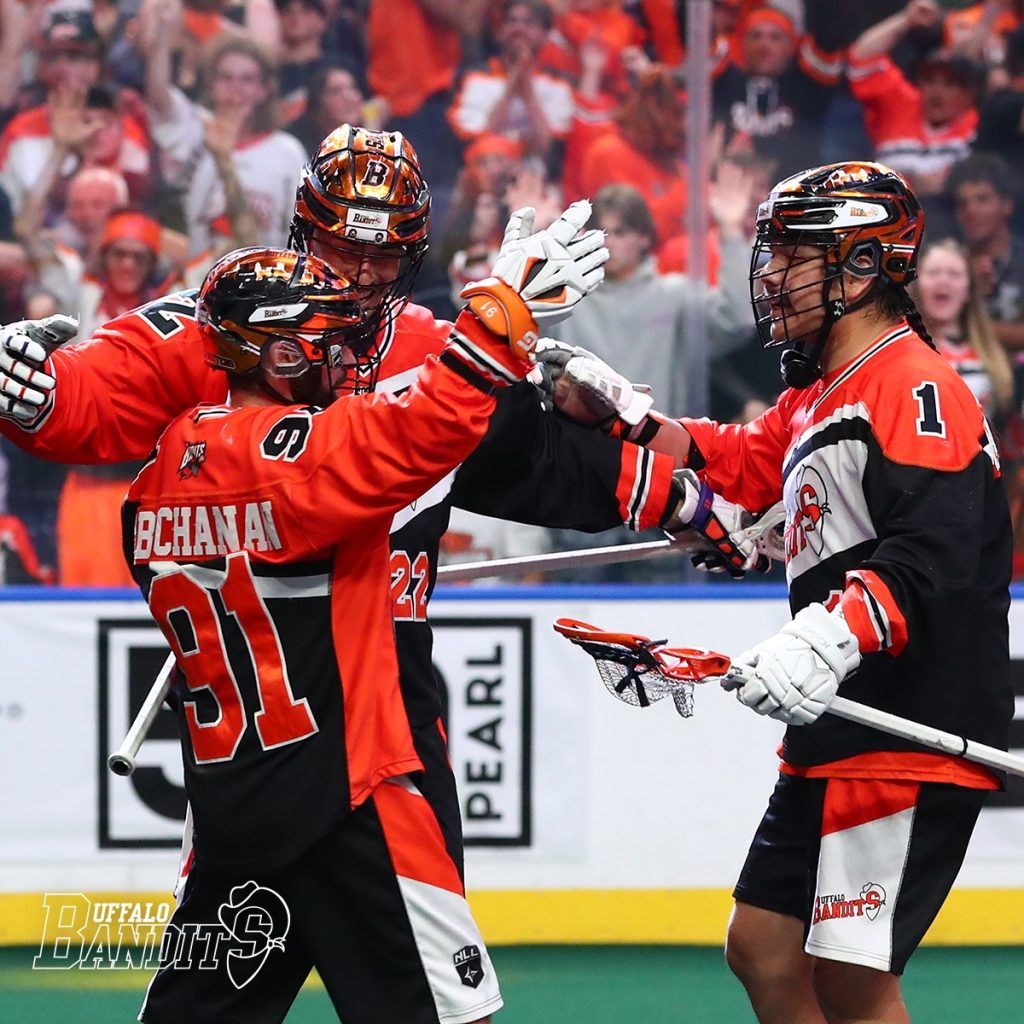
(461, 347)
(643, 485)
(625, 489)
(466, 372)
(658, 502)
(873, 614)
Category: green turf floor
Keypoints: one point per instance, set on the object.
(568, 985)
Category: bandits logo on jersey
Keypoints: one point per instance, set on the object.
(192, 460)
(808, 522)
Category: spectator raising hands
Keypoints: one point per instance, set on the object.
(85, 112)
(513, 97)
(238, 173)
(921, 128)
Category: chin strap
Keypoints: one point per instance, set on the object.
(801, 365)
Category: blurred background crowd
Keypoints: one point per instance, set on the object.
(143, 138)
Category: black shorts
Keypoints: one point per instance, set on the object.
(376, 905)
(865, 864)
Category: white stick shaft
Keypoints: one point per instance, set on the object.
(558, 560)
(991, 757)
(122, 760)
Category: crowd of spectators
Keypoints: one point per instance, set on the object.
(143, 138)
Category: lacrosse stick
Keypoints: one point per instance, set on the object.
(640, 671)
(765, 533)
(122, 760)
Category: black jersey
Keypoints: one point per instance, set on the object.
(895, 508)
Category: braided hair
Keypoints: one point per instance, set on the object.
(914, 318)
(894, 301)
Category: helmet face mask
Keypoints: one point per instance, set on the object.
(382, 276)
(334, 371)
(820, 233)
(287, 322)
(793, 287)
(362, 206)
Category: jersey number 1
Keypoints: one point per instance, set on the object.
(185, 612)
(930, 422)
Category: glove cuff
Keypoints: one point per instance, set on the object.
(696, 502)
(494, 334)
(830, 637)
(504, 312)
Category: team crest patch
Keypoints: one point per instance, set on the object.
(831, 906)
(192, 460)
(808, 525)
(469, 966)
(873, 896)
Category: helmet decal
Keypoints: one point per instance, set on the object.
(363, 198)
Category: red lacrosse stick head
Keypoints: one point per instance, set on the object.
(686, 664)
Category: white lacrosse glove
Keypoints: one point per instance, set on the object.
(585, 388)
(552, 269)
(730, 531)
(794, 675)
(26, 388)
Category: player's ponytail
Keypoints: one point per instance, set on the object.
(914, 318)
(894, 301)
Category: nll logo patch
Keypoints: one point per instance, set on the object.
(469, 966)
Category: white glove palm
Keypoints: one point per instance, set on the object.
(26, 389)
(551, 269)
(585, 388)
(794, 675)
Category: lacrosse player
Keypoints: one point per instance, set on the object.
(897, 547)
(258, 533)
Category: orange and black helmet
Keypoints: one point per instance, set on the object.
(864, 209)
(363, 194)
(365, 186)
(862, 218)
(273, 313)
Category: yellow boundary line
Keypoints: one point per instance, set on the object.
(971, 917)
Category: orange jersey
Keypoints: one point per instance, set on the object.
(259, 536)
(895, 122)
(412, 55)
(895, 509)
(119, 388)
